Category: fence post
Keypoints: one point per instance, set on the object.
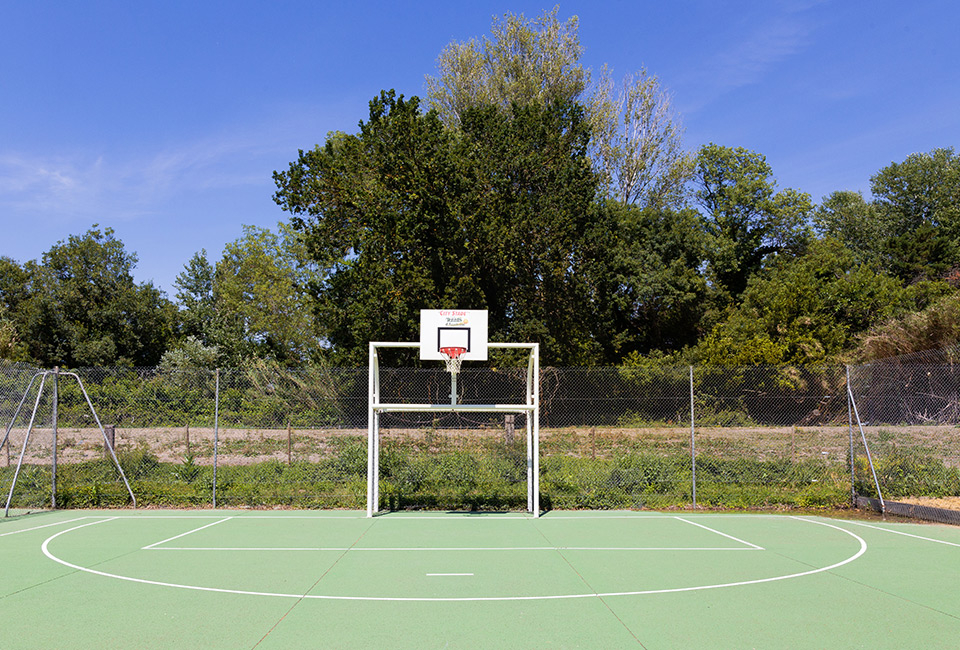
(216, 431)
(853, 475)
(693, 444)
(53, 466)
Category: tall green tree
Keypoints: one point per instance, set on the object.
(923, 189)
(533, 198)
(746, 218)
(637, 142)
(636, 139)
(808, 310)
(408, 214)
(647, 290)
(84, 309)
(260, 305)
(856, 223)
(379, 213)
(919, 203)
(195, 298)
(525, 62)
(14, 286)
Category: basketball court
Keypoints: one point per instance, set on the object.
(247, 579)
(137, 578)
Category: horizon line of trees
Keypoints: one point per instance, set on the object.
(566, 208)
(848, 279)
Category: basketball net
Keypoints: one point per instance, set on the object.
(453, 358)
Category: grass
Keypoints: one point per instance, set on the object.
(596, 468)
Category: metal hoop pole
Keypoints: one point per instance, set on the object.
(53, 466)
(216, 432)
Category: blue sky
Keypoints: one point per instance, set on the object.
(164, 120)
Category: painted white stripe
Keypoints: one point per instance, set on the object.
(45, 547)
(27, 530)
(404, 517)
(341, 549)
(900, 532)
(712, 530)
(448, 574)
(189, 532)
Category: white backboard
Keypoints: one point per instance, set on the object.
(463, 328)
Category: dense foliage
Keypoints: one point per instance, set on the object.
(79, 306)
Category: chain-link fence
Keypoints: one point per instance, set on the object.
(660, 437)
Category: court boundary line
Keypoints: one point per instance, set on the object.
(390, 549)
(900, 532)
(863, 549)
(27, 530)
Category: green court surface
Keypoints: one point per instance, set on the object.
(332, 579)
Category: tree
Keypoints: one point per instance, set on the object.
(747, 219)
(919, 203)
(379, 216)
(531, 205)
(84, 309)
(637, 142)
(636, 137)
(646, 288)
(857, 224)
(14, 283)
(195, 298)
(526, 62)
(259, 301)
(189, 356)
(924, 253)
(912, 227)
(808, 310)
(408, 214)
(11, 348)
(923, 189)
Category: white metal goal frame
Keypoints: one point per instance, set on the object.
(530, 407)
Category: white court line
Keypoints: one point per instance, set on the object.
(391, 549)
(897, 532)
(448, 574)
(26, 530)
(693, 523)
(45, 547)
(189, 532)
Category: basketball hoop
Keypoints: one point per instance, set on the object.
(452, 356)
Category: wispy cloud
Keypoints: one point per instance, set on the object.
(68, 187)
(751, 60)
(749, 56)
(50, 186)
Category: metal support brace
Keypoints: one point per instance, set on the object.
(56, 372)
